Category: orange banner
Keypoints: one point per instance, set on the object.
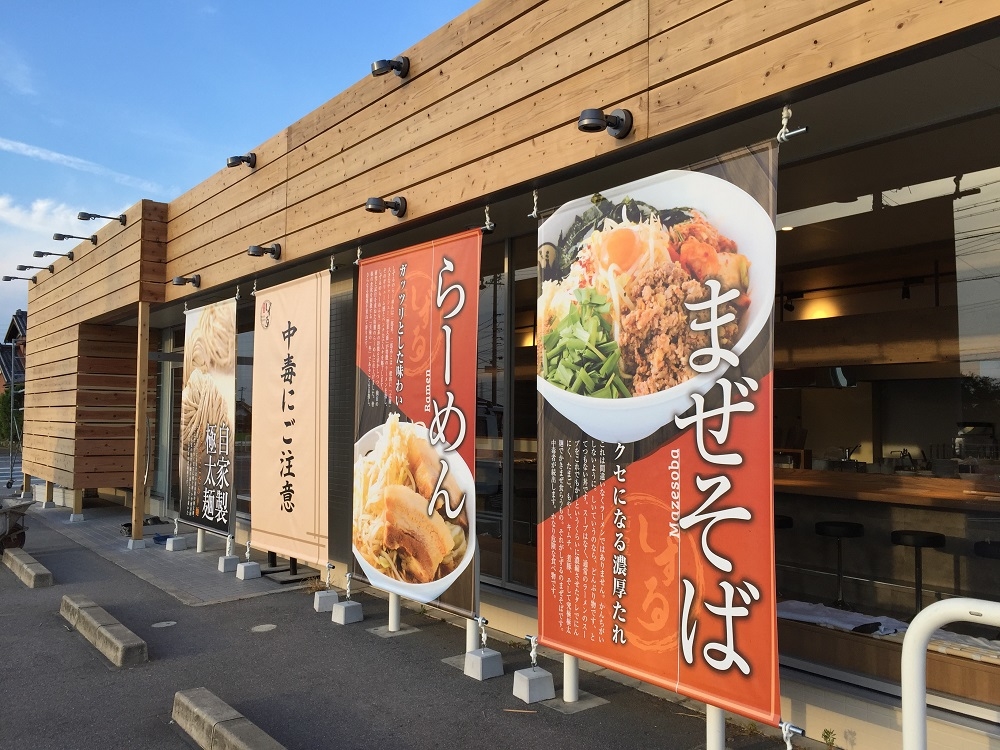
(414, 487)
(208, 417)
(656, 554)
(291, 368)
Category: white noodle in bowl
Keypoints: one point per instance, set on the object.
(459, 471)
(737, 216)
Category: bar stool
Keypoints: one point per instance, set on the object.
(840, 530)
(918, 540)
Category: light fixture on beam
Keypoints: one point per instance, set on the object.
(50, 269)
(249, 159)
(84, 216)
(32, 279)
(257, 251)
(194, 280)
(379, 205)
(618, 123)
(43, 254)
(400, 66)
(60, 237)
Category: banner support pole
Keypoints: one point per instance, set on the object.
(393, 613)
(715, 728)
(201, 540)
(571, 679)
(471, 636)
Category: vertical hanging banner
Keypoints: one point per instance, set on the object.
(288, 455)
(656, 555)
(414, 489)
(208, 417)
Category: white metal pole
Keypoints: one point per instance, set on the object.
(393, 613)
(571, 679)
(471, 636)
(715, 728)
(913, 671)
(201, 540)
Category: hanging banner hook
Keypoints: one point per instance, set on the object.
(784, 134)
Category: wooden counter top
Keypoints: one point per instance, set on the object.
(897, 489)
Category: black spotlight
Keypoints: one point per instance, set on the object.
(61, 237)
(50, 269)
(378, 205)
(194, 281)
(84, 216)
(249, 159)
(43, 254)
(618, 123)
(257, 251)
(400, 65)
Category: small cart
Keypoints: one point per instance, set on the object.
(12, 522)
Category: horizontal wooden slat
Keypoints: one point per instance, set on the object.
(42, 470)
(124, 447)
(494, 173)
(832, 45)
(44, 444)
(482, 21)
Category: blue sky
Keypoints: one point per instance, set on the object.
(102, 104)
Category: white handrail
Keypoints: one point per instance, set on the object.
(914, 659)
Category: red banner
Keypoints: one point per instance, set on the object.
(656, 552)
(414, 488)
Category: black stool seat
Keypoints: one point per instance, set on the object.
(918, 540)
(988, 549)
(783, 522)
(840, 529)
(910, 538)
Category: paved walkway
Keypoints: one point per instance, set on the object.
(189, 576)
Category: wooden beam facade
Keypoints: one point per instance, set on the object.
(490, 105)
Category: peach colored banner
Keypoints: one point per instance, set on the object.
(291, 377)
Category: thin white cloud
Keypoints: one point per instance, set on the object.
(82, 165)
(41, 216)
(15, 74)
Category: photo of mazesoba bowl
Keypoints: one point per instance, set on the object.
(619, 272)
(400, 545)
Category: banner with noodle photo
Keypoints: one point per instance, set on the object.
(414, 531)
(654, 365)
(208, 417)
(288, 456)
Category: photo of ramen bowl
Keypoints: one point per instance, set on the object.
(399, 546)
(614, 335)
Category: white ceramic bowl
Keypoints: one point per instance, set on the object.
(424, 592)
(737, 216)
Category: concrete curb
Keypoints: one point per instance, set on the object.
(215, 725)
(31, 572)
(121, 646)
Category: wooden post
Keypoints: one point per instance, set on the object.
(26, 485)
(141, 396)
(77, 504)
(49, 492)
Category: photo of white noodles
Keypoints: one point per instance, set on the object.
(400, 545)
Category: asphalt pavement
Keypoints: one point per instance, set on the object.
(304, 680)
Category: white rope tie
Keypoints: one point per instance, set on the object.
(248, 550)
(253, 292)
(533, 641)
(237, 292)
(357, 261)
(488, 227)
(329, 570)
(347, 592)
(534, 205)
(229, 545)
